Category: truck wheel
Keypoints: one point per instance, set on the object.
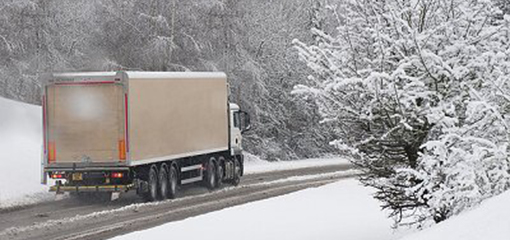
(210, 180)
(173, 181)
(163, 182)
(237, 172)
(220, 173)
(152, 194)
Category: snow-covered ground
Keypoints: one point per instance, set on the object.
(490, 220)
(342, 210)
(20, 154)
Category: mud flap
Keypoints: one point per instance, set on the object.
(141, 187)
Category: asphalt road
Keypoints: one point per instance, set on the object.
(71, 218)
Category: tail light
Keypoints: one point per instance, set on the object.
(57, 175)
(52, 157)
(122, 150)
(117, 175)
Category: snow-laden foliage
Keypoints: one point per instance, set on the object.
(248, 40)
(419, 92)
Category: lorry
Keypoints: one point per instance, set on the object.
(150, 132)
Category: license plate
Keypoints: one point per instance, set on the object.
(77, 176)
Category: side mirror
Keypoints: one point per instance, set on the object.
(245, 121)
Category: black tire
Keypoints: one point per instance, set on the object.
(173, 182)
(237, 172)
(210, 175)
(152, 180)
(163, 182)
(220, 172)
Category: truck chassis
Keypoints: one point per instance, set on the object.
(157, 181)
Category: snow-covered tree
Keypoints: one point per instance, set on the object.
(418, 91)
(504, 5)
(249, 40)
(39, 36)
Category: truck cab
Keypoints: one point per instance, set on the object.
(240, 122)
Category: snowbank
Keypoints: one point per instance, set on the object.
(342, 210)
(20, 153)
(490, 220)
(253, 164)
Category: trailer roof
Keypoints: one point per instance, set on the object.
(85, 74)
(141, 74)
(176, 75)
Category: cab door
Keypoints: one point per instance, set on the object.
(235, 131)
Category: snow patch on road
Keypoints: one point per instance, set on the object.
(342, 210)
(332, 175)
(254, 164)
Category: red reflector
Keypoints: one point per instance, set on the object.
(56, 176)
(117, 175)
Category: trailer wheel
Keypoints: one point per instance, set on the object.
(173, 181)
(220, 173)
(210, 180)
(152, 179)
(163, 182)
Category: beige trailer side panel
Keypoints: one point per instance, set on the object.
(172, 117)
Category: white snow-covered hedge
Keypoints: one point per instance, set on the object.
(420, 91)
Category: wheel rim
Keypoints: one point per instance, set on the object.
(154, 185)
(173, 182)
(164, 185)
(212, 179)
(220, 174)
(237, 173)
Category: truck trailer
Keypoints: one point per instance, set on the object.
(150, 132)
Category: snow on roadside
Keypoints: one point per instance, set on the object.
(489, 220)
(253, 164)
(20, 154)
(141, 206)
(341, 210)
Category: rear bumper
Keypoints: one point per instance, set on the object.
(86, 167)
(98, 188)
